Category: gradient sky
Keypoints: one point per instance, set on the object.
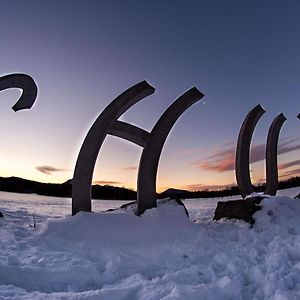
(82, 54)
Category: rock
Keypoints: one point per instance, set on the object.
(1, 214)
(239, 209)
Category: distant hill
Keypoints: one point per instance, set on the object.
(227, 192)
(20, 185)
(172, 193)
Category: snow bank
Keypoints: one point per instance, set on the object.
(159, 255)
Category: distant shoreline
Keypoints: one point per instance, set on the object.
(107, 192)
(25, 186)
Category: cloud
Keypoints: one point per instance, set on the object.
(289, 164)
(291, 173)
(260, 180)
(220, 162)
(103, 182)
(130, 168)
(285, 148)
(223, 160)
(49, 169)
(201, 186)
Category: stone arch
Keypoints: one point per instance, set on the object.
(83, 174)
(242, 162)
(152, 143)
(271, 155)
(242, 171)
(148, 165)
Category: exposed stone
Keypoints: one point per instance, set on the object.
(238, 209)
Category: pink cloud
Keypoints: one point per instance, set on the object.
(291, 173)
(48, 169)
(223, 160)
(201, 186)
(130, 168)
(289, 164)
(103, 182)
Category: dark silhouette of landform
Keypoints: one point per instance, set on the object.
(107, 192)
(25, 186)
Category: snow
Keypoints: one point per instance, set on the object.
(159, 255)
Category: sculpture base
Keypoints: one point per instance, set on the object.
(243, 209)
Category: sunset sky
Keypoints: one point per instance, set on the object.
(82, 54)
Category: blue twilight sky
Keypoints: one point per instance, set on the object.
(82, 54)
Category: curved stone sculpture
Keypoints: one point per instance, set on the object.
(83, 174)
(242, 171)
(243, 150)
(271, 155)
(146, 186)
(29, 91)
(152, 143)
(24, 82)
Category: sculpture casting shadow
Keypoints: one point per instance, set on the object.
(29, 91)
(152, 143)
(243, 152)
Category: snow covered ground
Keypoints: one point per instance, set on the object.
(160, 255)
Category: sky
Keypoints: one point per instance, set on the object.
(83, 54)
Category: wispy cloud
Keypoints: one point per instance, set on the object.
(219, 162)
(291, 173)
(289, 164)
(202, 187)
(130, 168)
(223, 160)
(49, 169)
(103, 182)
(287, 147)
(259, 180)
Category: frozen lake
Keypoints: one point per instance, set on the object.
(159, 255)
(55, 207)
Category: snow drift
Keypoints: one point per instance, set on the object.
(159, 255)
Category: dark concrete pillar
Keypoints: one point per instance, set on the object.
(83, 174)
(146, 185)
(242, 171)
(271, 155)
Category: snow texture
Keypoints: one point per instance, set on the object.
(159, 255)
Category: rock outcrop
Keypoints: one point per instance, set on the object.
(243, 209)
